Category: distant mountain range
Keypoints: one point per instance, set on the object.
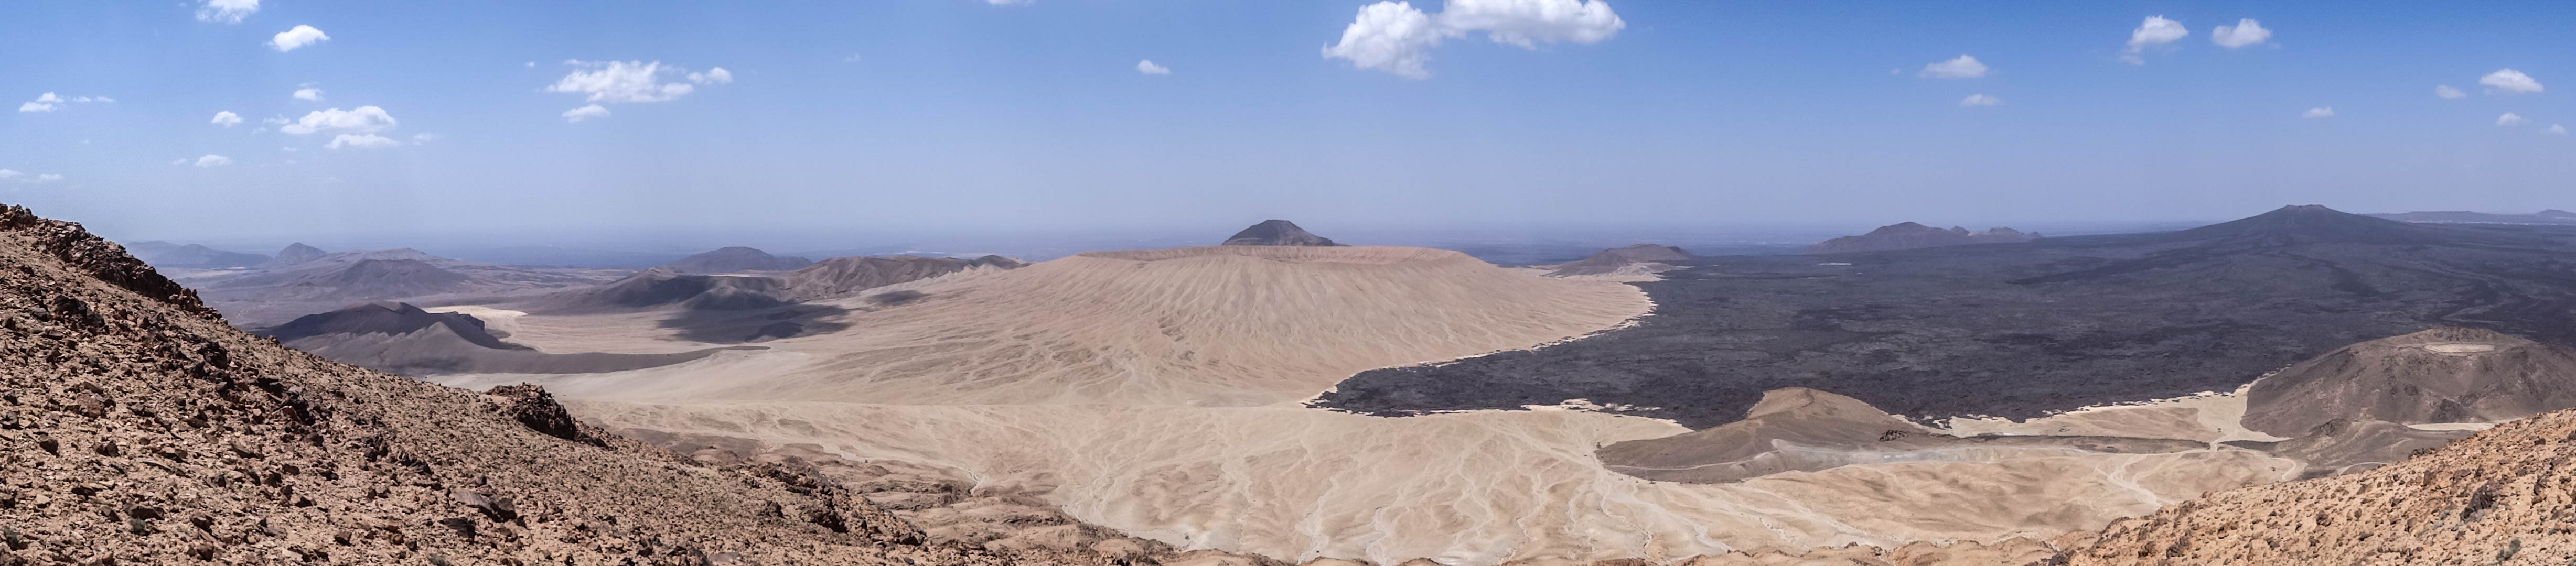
(170, 255)
(2551, 216)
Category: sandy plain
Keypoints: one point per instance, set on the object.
(1156, 392)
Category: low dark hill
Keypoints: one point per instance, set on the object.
(2018, 330)
(141, 429)
(386, 277)
(1909, 235)
(166, 254)
(386, 318)
(2435, 376)
(736, 259)
(1277, 233)
(1609, 260)
(661, 287)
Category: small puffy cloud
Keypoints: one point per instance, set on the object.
(361, 120)
(308, 93)
(2445, 91)
(2318, 112)
(1148, 67)
(2156, 30)
(633, 81)
(226, 11)
(2244, 33)
(1962, 67)
(585, 113)
(714, 76)
(46, 102)
(212, 160)
(2557, 129)
(2510, 119)
(299, 36)
(359, 141)
(227, 118)
(1395, 37)
(1980, 100)
(423, 137)
(2510, 81)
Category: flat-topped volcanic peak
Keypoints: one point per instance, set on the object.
(1277, 233)
(736, 259)
(1909, 235)
(385, 318)
(2317, 224)
(2435, 376)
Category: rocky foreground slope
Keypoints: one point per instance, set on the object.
(140, 429)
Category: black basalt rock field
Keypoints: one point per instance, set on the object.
(2019, 330)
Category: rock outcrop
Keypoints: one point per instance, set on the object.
(1277, 233)
(1909, 235)
(140, 429)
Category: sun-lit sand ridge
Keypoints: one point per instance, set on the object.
(1154, 392)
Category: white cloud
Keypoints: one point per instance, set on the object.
(2244, 33)
(212, 160)
(1388, 36)
(1963, 67)
(308, 93)
(1980, 100)
(299, 36)
(46, 102)
(2445, 91)
(2510, 119)
(714, 76)
(10, 175)
(1148, 67)
(2156, 30)
(632, 81)
(226, 11)
(1395, 37)
(585, 113)
(6, 174)
(362, 120)
(1006, 2)
(2509, 80)
(90, 99)
(52, 177)
(2557, 129)
(227, 118)
(2318, 112)
(359, 140)
(423, 137)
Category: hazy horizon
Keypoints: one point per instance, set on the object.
(550, 121)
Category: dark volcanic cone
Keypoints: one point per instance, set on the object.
(1909, 235)
(1277, 233)
(2436, 376)
(295, 253)
(386, 318)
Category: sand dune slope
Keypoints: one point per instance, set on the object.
(1209, 326)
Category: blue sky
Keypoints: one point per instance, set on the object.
(966, 116)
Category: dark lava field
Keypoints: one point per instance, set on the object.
(2020, 330)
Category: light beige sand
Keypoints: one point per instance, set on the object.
(1213, 326)
(1155, 393)
(1467, 488)
(2207, 417)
